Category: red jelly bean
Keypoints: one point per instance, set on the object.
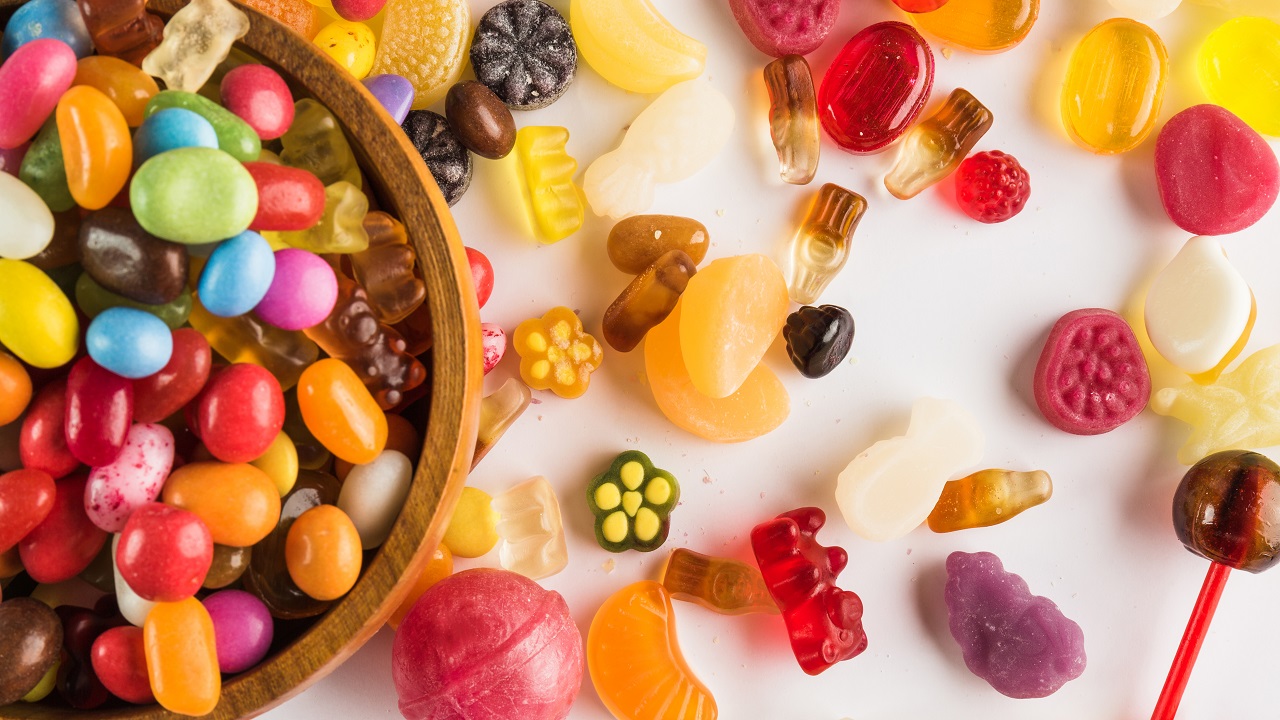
(358, 10)
(31, 81)
(66, 541)
(785, 27)
(119, 660)
(876, 87)
(158, 396)
(164, 552)
(288, 198)
(481, 275)
(919, 6)
(240, 413)
(42, 444)
(26, 497)
(1216, 174)
(1091, 377)
(78, 684)
(260, 97)
(99, 412)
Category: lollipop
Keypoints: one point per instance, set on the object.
(1226, 511)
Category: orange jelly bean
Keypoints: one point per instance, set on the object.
(238, 502)
(401, 437)
(123, 83)
(96, 146)
(341, 413)
(182, 658)
(15, 388)
(322, 553)
(439, 567)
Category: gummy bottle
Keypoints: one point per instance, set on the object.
(820, 247)
(981, 26)
(793, 118)
(1114, 86)
(933, 149)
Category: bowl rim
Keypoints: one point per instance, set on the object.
(456, 375)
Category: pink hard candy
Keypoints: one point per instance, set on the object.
(1216, 174)
(135, 478)
(785, 27)
(31, 82)
(485, 644)
(494, 343)
(1091, 377)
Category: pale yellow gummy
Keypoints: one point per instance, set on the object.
(632, 46)
(426, 41)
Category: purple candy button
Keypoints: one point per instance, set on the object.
(242, 629)
(394, 92)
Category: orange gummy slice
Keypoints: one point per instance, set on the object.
(635, 660)
(758, 406)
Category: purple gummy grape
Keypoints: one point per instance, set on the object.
(1091, 377)
(1216, 174)
(393, 92)
(785, 27)
(242, 627)
(1020, 643)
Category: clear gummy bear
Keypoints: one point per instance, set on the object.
(196, 39)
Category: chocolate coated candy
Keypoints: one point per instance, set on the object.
(818, 338)
(129, 261)
(480, 120)
(446, 157)
(637, 242)
(30, 641)
(1224, 510)
(523, 50)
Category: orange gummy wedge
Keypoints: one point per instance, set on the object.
(758, 406)
(635, 661)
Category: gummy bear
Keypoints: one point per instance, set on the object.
(341, 227)
(793, 118)
(632, 502)
(632, 46)
(247, 339)
(545, 173)
(386, 269)
(988, 497)
(425, 41)
(820, 247)
(556, 354)
(196, 39)
(933, 149)
(122, 28)
(981, 26)
(725, 586)
(315, 143)
(1114, 86)
(533, 542)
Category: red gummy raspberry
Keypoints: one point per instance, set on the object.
(992, 187)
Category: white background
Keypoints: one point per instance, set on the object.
(944, 306)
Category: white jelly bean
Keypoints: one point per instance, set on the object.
(133, 608)
(28, 224)
(134, 479)
(373, 494)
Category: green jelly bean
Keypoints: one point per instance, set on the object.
(43, 170)
(235, 137)
(193, 195)
(93, 299)
(37, 321)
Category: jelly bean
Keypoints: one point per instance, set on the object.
(238, 502)
(15, 389)
(46, 685)
(182, 657)
(94, 300)
(358, 10)
(239, 413)
(128, 261)
(373, 495)
(481, 275)
(433, 60)
(401, 437)
(10, 564)
(64, 250)
(119, 660)
(243, 629)
(1239, 69)
(229, 563)
(10, 446)
(133, 480)
(288, 198)
(132, 606)
(42, 444)
(322, 553)
(169, 130)
(45, 171)
(235, 137)
(351, 44)
(473, 527)
(164, 552)
(32, 80)
(237, 275)
(633, 46)
(31, 634)
(77, 684)
(302, 293)
(247, 339)
(981, 26)
(26, 498)
(193, 196)
(11, 158)
(125, 84)
(65, 542)
(439, 567)
(37, 322)
(130, 343)
(393, 92)
(340, 412)
(96, 146)
(280, 463)
(268, 573)
(54, 19)
(98, 574)
(480, 120)
(161, 394)
(259, 96)
(28, 227)
(494, 341)
(99, 412)
(1114, 86)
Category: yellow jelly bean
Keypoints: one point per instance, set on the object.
(632, 46)
(322, 553)
(182, 658)
(280, 463)
(238, 502)
(340, 412)
(45, 686)
(37, 321)
(981, 26)
(97, 148)
(1115, 83)
(352, 44)
(473, 528)
(1239, 68)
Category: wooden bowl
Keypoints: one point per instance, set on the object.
(405, 189)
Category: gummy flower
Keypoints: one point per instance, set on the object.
(632, 502)
(556, 354)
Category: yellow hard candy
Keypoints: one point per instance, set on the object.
(473, 529)
(37, 321)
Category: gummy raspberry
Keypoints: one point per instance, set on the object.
(992, 187)
(1091, 377)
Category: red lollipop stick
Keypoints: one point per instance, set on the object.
(1192, 639)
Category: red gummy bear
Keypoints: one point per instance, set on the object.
(992, 187)
(824, 622)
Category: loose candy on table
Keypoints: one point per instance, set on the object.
(302, 293)
(480, 119)
(992, 186)
(818, 338)
(631, 45)
(532, 532)
(718, 584)
(125, 259)
(136, 477)
(933, 149)
(33, 634)
(980, 26)
(473, 527)
(632, 502)
(1020, 643)
(237, 502)
(322, 553)
(1237, 410)
(524, 52)
(445, 156)
(196, 39)
(647, 300)
(426, 42)
(126, 85)
(246, 339)
(193, 196)
(483, 624)
(32, 80)
(556, 354)
(171, 129)
(237, 275)
(53, 19)
(793, 118)
(341, 413)
(37, 322)
(545, 173)
(259, 96)
(44, 171)
(268, 576)
(96, 146)
(876, 87)
(791, 27)
(29, 225)
(99, 411)
(1199, 311)
(988, 497)
(439, 567)
(373, 495)
(393, 92)
(42, 442)
(242, 629)
(26, 499)
(635, 661)
(229, 563)
(493, 345)
(1239, 67)
(352, 45)
(888, 489)
(821, 245)
(340, 227)
(122, 28)
(164, 552)
(182, 657)
(386, 269)
(119, 660)
(1091, 377)
(498, 412)
(65, 542)
(671, 140)
(1114, 86)
(481, 275)
(316, 143)
(1216, 174)
(635, 243)
(239, 413)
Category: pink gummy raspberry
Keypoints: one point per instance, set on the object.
(1216, 174)
(1091, 377)
(785, 27)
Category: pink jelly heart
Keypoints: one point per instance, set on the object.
(785, 27)
(1216, 174)
(1091, 377)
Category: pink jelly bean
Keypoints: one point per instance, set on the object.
(494, 343)
(164, 552)
(119, 660)
(65, 542)
(42, 444)
(242, 629)
(1216, 174)
(31, 82)
(135, 478)
(785, 27)
(302, 293)
(26, 497)
(240, 413)
(158, 396)
(99, 412)
(1091, 377)
(260, 97)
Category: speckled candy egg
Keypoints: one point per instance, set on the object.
(133, 480)
(494, 340)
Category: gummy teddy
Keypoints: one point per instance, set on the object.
(632, 502)
(545, 173)
(122, 28)
(725, 586)
(341, 227)
(196, 39)
(824, 622)
(386, 269)
(533, 542)
(556, 353)
(315, 143)
(632, 46)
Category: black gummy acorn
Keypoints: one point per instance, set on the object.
(523, 50)
(818, 338)
(446, 158)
